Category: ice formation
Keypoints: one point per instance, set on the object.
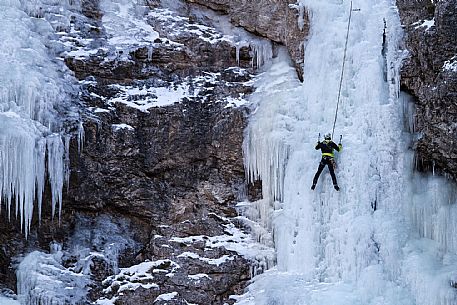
(43, 280)
(31, 92)
(8, 301)
(389, 236)
(125, 23)
(62, 277)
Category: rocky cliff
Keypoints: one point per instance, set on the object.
(149, 215)
(430, 75)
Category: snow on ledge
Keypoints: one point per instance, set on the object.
(450, 65)
(179, 25)
(234, 240)
(166, 296)
(117, 127)
(424, 23)
(235, 102)
(137, 276)
(143, 98)
(212, 261)
(99, 110)
(199, 276)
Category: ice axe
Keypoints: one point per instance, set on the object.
(341, 138)
(319, 137)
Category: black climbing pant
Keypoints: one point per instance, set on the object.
(330, 163)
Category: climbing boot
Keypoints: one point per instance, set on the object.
(336, 187)
(313, 187)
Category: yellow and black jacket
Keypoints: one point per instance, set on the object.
(327, 147)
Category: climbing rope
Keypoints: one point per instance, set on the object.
(342, 69)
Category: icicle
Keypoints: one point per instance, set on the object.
(395, 54)
(55, 151)
(150, 52)
(40, 168)
(261, 51)
(265, 149)
(80, 137)
(265, 159)
(238, 46)
(67, 139)
(301, 16)
(31, 89)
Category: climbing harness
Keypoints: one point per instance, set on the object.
(342, 69)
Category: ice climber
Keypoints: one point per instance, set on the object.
(327, 147)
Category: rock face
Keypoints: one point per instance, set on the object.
(430, 75)
(281, 21)
(171, 168)
(155, 179)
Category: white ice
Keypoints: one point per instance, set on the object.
(126, 24)
(8, 301)
(336, 247)
(42, 279)
(32, 87)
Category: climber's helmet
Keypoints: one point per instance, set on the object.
(328, 137)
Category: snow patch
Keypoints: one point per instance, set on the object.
(99, 110)
(179, 25)
(199, 276)
(166, 296)
(426, 24)
(235, 102)
(450, 65)
(261, 254)
(141, 275)
(117, 127)
(143, 98)
(212, 261)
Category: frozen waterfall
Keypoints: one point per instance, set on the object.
(389, 236)
(32, 90)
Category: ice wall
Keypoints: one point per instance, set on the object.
(388, 237)
(33, 89)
